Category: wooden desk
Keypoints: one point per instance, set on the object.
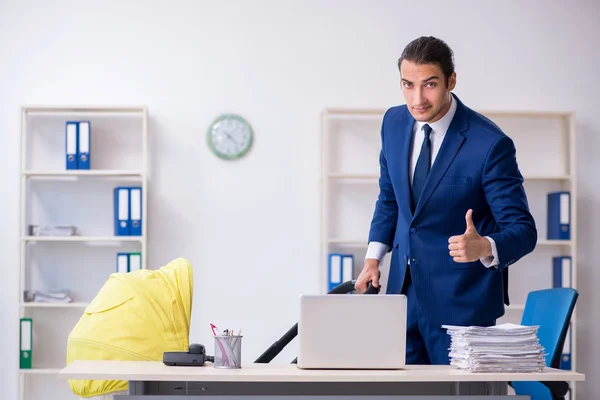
(155, 378)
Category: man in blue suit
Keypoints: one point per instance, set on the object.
(451, 209)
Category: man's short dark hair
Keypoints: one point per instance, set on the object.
(429, 50)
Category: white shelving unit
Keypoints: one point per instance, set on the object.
(545, 143)
(51, 195)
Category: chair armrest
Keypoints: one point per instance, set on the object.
(558, 389)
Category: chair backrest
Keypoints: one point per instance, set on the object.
(551, 309)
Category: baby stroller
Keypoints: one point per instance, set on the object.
(135, 316)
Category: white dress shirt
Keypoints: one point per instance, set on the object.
(378, 250)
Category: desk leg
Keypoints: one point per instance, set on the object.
(135, 388)
(480, 388)
(497, 388)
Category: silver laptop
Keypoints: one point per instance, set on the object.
(352, 331)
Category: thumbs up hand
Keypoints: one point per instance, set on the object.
(469, 246)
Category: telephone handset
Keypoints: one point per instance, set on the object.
(194, 357)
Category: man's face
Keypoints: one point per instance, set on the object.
(425, 91)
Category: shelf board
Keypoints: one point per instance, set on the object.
(40, 371)
(547, 177)
(358, 242)
(554, 243)
(106, 173)
(379, 112)
(54, 305)
(354, 176)
(354, 112)
(525, 113)
(515, 307)
(70, 109)
(349, 242)
(110, 239)
(373, 177)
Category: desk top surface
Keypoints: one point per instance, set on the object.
(157, 371)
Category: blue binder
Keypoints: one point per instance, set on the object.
(71, 144)
(334, 268)
(135, 261)
(340, 269)
(562, 271)
(135, 211)
(83, 145)
(122, 263)
(121, 211)
(347, 267)
(559, 216)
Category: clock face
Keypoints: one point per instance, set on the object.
(229, 136)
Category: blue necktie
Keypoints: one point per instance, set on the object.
(422, 167)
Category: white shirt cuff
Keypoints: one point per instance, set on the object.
(376, 250)
(493, 260)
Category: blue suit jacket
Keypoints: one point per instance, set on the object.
(475, 168)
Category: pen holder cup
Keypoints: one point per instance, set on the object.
(228, 352)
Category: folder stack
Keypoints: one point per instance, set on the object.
(128, 211)
(341, 269)
(127, 262)
(78, 135)
(501, 348)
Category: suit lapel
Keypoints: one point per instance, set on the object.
(405, 156)
(450, 146)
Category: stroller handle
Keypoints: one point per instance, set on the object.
(279, 345)
(349, 286)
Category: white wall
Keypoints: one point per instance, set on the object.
(251, 228)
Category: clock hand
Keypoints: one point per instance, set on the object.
(231, 138)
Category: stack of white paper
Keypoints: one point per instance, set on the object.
(36, 230)
(501, 348)
(61, 296)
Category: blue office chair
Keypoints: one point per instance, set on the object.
(551, 309)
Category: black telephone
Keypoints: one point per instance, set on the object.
(194, 357)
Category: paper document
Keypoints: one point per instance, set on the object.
(501, 348)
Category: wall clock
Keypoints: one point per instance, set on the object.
(229, 136)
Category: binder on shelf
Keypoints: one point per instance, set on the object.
(135, 199)
(559, 215)
(334, 271)
(347, 267)
(341, 269)
(121, 211)
(83, 145)
(135, 261)
(122, 263)
(565, 359)
(26, 344)
(562, 271)
(71, 144)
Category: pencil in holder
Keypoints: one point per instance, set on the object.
(228, 351)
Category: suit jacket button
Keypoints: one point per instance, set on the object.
(413, 230)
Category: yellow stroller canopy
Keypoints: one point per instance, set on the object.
(135, 316)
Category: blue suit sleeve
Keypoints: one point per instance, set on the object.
(383, 224)
(503, 187)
